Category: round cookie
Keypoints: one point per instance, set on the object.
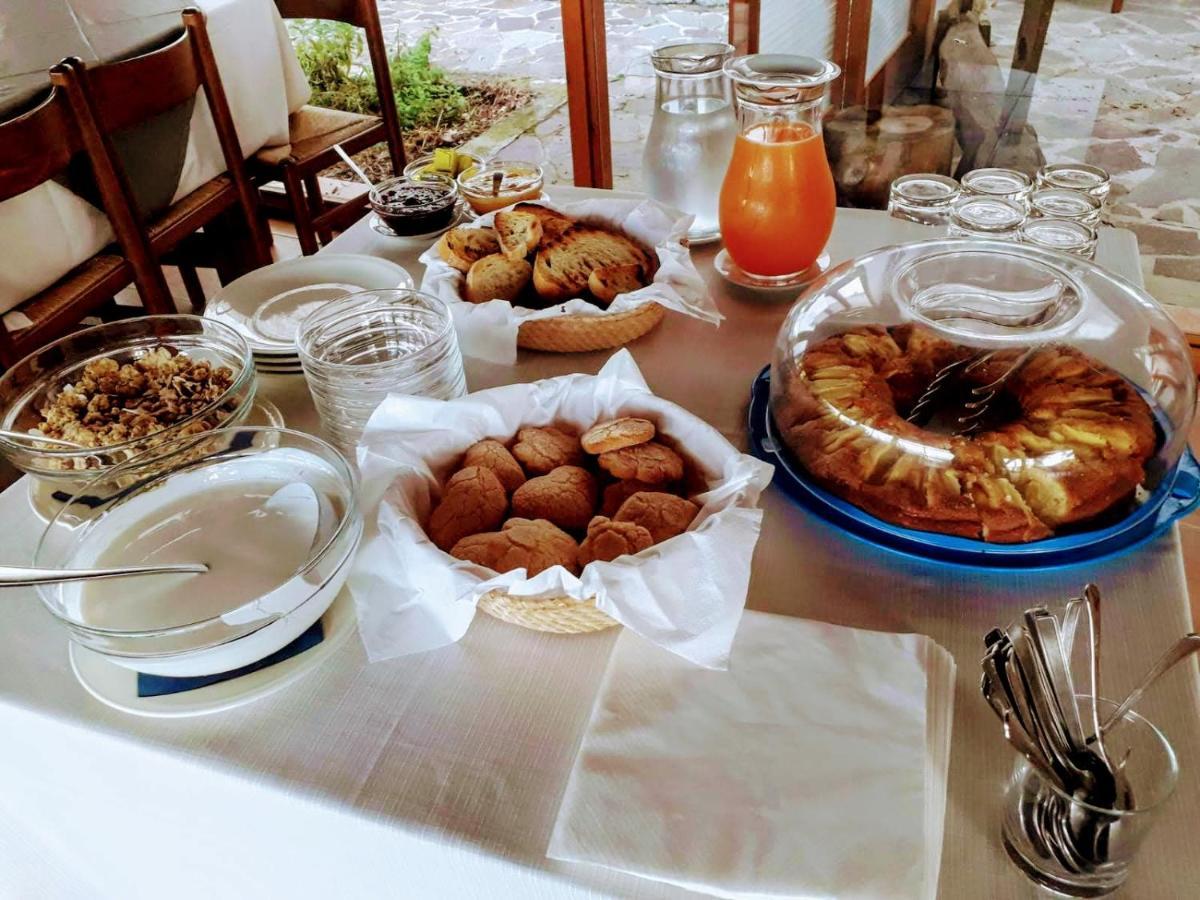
(650, 462)
(624, 432)
(541, 450)
(606, 540)
(495, 456)
(532, 545)
(566, 496)
(474, 501)
(663, 515)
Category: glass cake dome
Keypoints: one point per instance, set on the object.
(974, 398)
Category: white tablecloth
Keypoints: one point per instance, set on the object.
(440, 774)
(48, 230)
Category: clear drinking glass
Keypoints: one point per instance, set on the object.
(1076, 848)
(1076, 177)
(923, 198)
(986, 217)
(777, 201)
(358, 349)
(692, 133)
(1061, 203)
(1063, 235)
(1002, 184)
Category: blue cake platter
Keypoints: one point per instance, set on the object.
(1176, 495)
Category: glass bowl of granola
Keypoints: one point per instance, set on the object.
(120, 389)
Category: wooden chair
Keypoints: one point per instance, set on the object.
(315, 131)
(35, 147)
(110, 97)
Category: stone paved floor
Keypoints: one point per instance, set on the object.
(524, 38)
(1121, 91)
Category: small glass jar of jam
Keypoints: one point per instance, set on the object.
(411, 206)
(496, 185)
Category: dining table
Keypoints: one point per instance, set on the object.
(440, 774)
(56, 225)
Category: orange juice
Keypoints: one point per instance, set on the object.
(778, 201)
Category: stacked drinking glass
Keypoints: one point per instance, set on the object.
(358, 349)
(1059, 211)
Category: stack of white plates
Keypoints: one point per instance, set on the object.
(266, 306)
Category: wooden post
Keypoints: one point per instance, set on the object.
(1027, 58)
(971, 84)
(851, 35)
(744, 25)
(587, 92)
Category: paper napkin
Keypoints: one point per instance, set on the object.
(815, 767)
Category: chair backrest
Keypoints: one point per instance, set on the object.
(37, 144)
(130, 91)
(363, 14)
(112, 96)
(354, 12)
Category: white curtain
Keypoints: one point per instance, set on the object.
(806, 27)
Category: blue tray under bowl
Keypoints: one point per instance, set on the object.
(1176, 495)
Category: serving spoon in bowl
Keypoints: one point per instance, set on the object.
(25, 576)
(297, 500)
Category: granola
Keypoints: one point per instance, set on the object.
(112, 403)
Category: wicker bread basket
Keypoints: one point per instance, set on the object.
(575, 333)
(561, 615)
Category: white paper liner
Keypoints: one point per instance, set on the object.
(815, 767)
(685, 594)
(488, 331)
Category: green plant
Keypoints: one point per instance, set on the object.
(329, 54)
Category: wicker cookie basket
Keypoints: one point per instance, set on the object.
(561, 615)
(575, 333)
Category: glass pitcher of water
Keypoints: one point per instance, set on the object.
(691, 137)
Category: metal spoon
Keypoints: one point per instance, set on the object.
(1092, 617)
(1043, 631)
(23, 576)
(26, 437)
(297, 500)
(1180, 650)
(354, 167)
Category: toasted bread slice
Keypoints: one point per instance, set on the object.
(565, 263)
(607, 282)
(518, 232)
(497, 277)
(553, 223)
(462, 247)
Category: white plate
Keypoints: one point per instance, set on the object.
(266, 305)
(116, 686)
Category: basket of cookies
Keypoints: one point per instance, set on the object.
(581, 276)
(569, 505)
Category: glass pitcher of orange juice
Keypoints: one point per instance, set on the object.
(777, 201)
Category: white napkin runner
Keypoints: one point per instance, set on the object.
(816, 766)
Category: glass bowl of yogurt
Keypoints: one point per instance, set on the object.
(270, 511)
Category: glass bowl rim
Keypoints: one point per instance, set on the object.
(1132, 716)
(240, 379)
(447, 181)
(349, 368)
(529, 168)
(718, 51)
(346, 475)
(414, 166)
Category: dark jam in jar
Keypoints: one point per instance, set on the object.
(410, 208)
